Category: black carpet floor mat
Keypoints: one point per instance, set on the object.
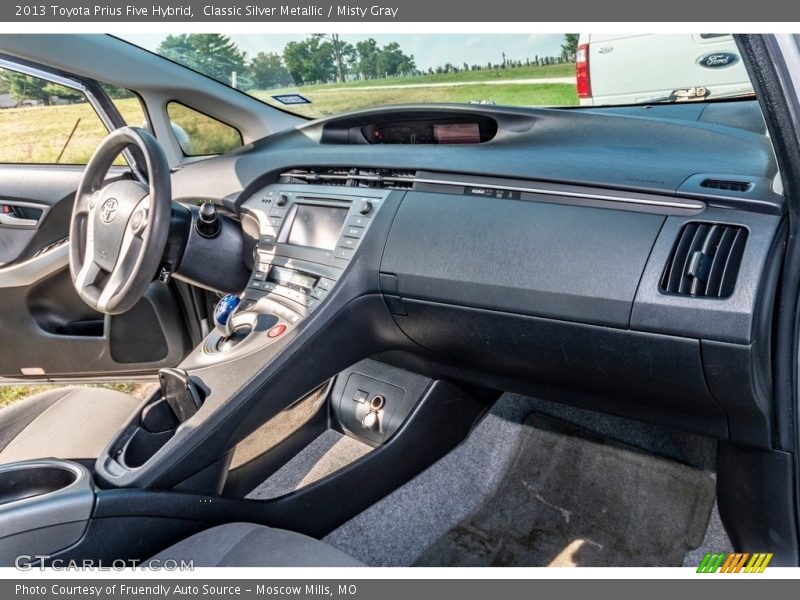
(571, 498)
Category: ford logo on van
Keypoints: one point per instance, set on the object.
(718, 60)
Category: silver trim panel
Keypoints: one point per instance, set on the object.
(12, 221)
(35, 269)
(680, 204)
(69, 504)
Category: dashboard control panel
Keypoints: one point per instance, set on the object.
(307, 237)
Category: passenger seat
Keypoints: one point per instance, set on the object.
(250, 545)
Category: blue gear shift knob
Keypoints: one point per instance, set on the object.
(223, 314)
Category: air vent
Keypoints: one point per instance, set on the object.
(705, 260)
(727, 185)
(352, 177)
(316, 176)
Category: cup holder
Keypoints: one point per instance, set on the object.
(34, 479)
(143, 445)
(45, 506)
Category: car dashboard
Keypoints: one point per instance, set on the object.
(624, 261)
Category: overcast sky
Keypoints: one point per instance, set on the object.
(429, 50)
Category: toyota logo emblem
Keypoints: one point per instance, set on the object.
(109, 210)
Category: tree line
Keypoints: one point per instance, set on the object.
(24, 88)
(319, 58)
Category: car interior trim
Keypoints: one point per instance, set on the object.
(35, 269)
(684, 204)
(329, 312)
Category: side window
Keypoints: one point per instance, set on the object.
(201, 135)
(44, 122)
(128, 104)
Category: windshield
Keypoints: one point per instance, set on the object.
(317, 75)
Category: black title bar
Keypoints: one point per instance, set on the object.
(123, 11)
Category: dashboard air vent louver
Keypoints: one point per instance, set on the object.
(727, 185)
(352, 177)
(705, 260)
(316, 176)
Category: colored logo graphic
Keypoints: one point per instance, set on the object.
(738, 562)
(718, 60)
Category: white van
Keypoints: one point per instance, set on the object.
(634, 69)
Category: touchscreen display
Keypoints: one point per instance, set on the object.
(317, 226)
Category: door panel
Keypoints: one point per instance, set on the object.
(50, 187)
(19, 220)
(49, 333)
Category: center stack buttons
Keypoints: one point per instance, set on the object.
(353, 232)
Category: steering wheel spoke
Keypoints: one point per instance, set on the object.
(123, 269)
(87, 276)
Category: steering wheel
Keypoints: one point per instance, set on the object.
(118, 230)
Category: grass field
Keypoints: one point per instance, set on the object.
(335, 100)
(528, 72)
(13, 393)
(39, 134)
(206, 135)
(469, 86)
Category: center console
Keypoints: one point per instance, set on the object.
(45, 506)
(307, 237)
(282, 320)
(310, 311)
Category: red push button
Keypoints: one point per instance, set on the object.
(277, 330)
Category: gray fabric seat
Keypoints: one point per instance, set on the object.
(74, 423)
(250, 545)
